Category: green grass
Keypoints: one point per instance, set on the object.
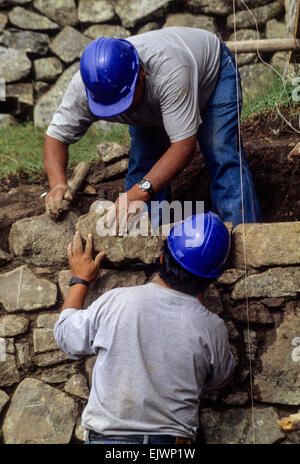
(272, 92)
(21, 147)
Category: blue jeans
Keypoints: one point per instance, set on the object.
(219, 143)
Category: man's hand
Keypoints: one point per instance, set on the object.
(127, 206)
(81, 262)
(55, 201)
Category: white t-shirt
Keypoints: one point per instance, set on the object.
(182, 67)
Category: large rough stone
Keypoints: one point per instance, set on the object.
(47, 69)
(14, 64)
(49, 102)
(261, 14)
(3, 21)
(131, 12)
(279, 60)
(95, 11)
(25, 19)
(267, 244)
(257, 73)
(257, 313)
(5, 258)
(275, 29)
(40, 88)
(279, 380)
(62, 12)
(230, 276)
(23, 93)
(77, 386)
(43, 340)
(4, 398)
(117, 248)
(111, 152)
(115, 170)
(107, 30)
(275, 282)
(214, 7)
(31, 42)
(69, 44)
(58, 374)
(80, 432)
(23, 355)
(188, 20)
(35, 239)
(11, 325)
(47, 320)
(20, 289)
(50, 358)
(245, 34)
(106, 280)
(39, 414)
(235, 426)
(9, 373)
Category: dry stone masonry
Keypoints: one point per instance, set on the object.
(43, 391)
(41, 41)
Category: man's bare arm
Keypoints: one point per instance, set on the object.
(174, 160)
(55, 156)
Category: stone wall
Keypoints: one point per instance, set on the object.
(43, 393)
(41, 42)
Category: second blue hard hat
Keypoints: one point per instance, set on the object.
(109, 69)
(200, 244)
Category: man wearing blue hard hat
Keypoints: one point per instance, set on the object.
(172, 86)
(158, 347)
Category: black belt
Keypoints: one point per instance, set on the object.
(95, 436)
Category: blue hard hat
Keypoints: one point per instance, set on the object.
(200, 244)
(109, 69)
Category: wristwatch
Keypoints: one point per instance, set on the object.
(146, 186)
(76, 280)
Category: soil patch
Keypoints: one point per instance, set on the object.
(267, 141)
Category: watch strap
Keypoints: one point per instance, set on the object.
(150, 190)
(77, 280)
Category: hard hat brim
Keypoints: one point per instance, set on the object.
(106, 111)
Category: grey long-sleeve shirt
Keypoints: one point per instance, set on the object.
(156, 349)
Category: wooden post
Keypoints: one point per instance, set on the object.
(264, 45)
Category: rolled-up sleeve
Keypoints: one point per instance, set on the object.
(74, 332)
(73, 117)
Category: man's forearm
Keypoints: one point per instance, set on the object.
(174, 160)
(55, 157)
(76, 296)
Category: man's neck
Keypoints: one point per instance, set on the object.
(162, 283)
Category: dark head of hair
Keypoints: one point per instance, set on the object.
(179, 278)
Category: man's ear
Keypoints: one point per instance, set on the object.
(142, 72)
(161, 259)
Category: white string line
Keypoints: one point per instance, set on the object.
(270, 66)
(243, 219)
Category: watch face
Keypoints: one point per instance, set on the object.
(146, 184)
